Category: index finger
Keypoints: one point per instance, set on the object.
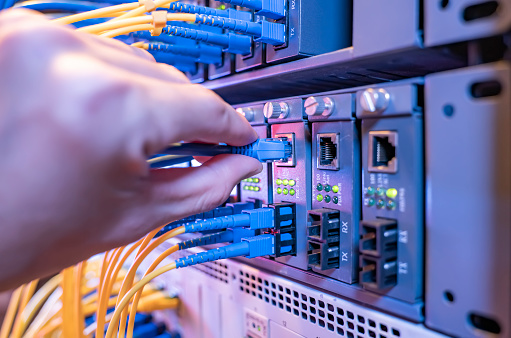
(190, 112)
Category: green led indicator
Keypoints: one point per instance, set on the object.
(380, 204)
(391, 193)
(380, 191)
(250, 180)
(279, 190)
(319, 198)
(221, 7)
(370, 191)
(292, 183)
(319, 187)
(335, 189)
(285, 191)
(335, 199)
(258, 328)
(370, 202)
(327, 198)
(245, 187)
(285, 182)
(256, 180)
(292, 192)
(327, 188)
(251, 188)
(279, 181)
(391, 204)
(257, 189)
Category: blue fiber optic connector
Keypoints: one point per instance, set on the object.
(195, 9)
(263, 31)
(273, 9)
(202, 53)
(230, 42)
(265, 150)
(251, 247)
(252, 219)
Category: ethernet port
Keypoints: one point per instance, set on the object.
(327, 151)
(291, 162)
(382, 151)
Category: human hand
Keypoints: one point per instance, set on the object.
(79, 115)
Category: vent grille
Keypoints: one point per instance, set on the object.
(307, 307)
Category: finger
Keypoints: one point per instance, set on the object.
(176, 193)
(33, 30)
(192, 112)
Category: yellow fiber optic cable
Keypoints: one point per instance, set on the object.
(139, 20)
(11, 313)
(138, 44)
(80, 319)
(142, 9)
(49, 329)
(68, 310)
(26, 294)
(49, 310)
(126, 30)
(128, 280)
(134, 305)
(141, 244)
(125, 300)
(97, 13)
(38, 300)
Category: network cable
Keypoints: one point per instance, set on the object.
(265, 150)
(257, 246)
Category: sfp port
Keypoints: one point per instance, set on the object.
(383, 151)
(378, 238)
(377, 274)
(327, 151)
(323, 229)
(284, 228)
(323, 256)
(291, 161)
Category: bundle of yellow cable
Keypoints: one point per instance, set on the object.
(128, 18)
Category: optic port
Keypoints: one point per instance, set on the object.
(378, 238)
(377, 274)
(328, 151)
(284, 228)
(323, 229)
(382, 151)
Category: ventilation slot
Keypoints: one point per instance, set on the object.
(307, 307)
(485, 89)
(480, 11)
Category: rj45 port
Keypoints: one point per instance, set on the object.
(383, 151)
(327, 151)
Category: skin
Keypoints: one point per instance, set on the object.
(79, 115)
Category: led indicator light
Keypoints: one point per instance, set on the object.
(250, 180)
(327, 198)
(369, 191)
(279, 181)
(319, 187)
(285, 191)
(335, 199)
(257, 180)
(285, 182)
(370, 202)
(319, 198)
(392, 193)
(327, 188)
(380, 191)
(335, 189)
(251, 188)
(292, 192)
(245, 187)
(292, 183)
(391, 204)
(257, 189)
(380, 203)
(279, 190)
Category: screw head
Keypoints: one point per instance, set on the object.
(273, 110)
(315, 106)
(374, 100)
(248, 113)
